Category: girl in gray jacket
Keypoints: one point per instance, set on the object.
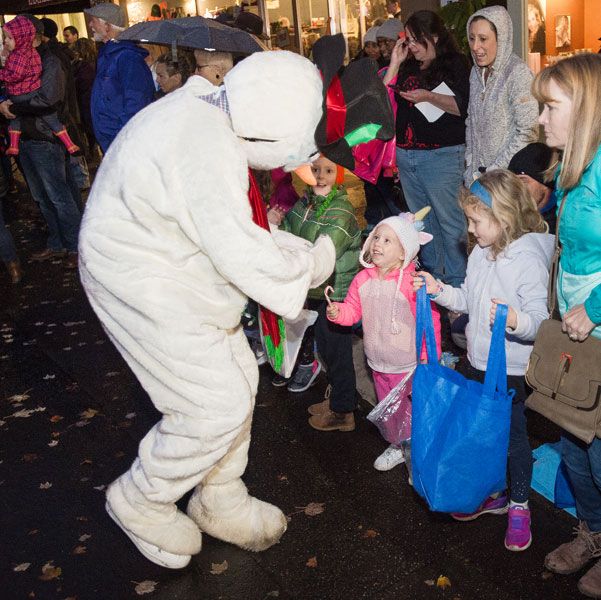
(509, 265)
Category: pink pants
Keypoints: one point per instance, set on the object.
(397, 426)
(384, 382)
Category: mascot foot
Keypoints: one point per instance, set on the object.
(150, 551)
(163, 534)
(228, 513)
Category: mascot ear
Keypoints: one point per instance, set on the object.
(424, 238)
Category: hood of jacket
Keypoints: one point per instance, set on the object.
(500, 18)
(23, 32)
(540, 245)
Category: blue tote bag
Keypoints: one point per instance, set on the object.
(460, 430)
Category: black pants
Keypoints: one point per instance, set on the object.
(519, 458)
(335, 346)
(381, 200)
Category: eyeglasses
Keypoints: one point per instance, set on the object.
(201, 67)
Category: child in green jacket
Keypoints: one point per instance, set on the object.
(325, 209)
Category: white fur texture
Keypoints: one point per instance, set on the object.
(169, 254)
(275, 96)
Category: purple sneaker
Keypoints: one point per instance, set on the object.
(491, 506)
(518, 536)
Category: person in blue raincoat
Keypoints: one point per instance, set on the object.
(123, 84)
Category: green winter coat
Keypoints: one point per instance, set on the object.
(338, 221)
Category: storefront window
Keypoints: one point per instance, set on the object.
(281, 23)
(560, 28)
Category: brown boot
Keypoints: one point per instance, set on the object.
(14, 270)
(572, 556)
(323, 406)
(332, 421)
(590, 583)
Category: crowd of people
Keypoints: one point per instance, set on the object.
(468, 160)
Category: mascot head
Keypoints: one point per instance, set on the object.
(275, 101)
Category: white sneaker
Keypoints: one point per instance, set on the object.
(150, 551)
(391, 457)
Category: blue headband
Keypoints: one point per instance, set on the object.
(479, 190)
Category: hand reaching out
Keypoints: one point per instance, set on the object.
(432, 286)
(275, 215)
(512, 317)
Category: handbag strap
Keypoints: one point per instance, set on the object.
(496, 366)
(552, 306)
(424, 326)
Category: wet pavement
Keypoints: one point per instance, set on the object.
(72, 415)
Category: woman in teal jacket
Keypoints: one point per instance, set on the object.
(570, 91)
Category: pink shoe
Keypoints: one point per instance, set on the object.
(518, 536)
(491, 506)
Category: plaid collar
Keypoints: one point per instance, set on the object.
(218, 99)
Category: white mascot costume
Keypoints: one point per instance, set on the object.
(169, 255)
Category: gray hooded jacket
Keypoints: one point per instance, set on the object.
(502, 113)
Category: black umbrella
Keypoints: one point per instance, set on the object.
(193, 32)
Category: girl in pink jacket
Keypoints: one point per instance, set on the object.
(382, 296)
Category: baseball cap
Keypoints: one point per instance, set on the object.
(111, 13)
(532, 160)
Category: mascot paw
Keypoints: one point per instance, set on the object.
(228, 513)
(162, 533)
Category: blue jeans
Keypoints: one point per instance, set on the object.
(46, 168)
(583, 464)
(433, 178)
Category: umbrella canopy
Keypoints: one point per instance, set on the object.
(193, 32)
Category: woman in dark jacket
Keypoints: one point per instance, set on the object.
(427, 67)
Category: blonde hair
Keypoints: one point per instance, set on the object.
(513, 208)
(579, 77)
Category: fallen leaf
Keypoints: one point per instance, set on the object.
(20, 397)
(27, 412)
(79, 550)
(53, 443)
(429, 582)
(312, 562)
(56, 418)
(282, 478)
(314, 508)
(84, 519)
(145, 587)
(84, 537)
(33, 531)
(218, 568)
(88, 413)
(49, 376)
(130, 415)
(22, 567)
(49, 572)
(547, 574)
(29, 457)
(370, 533)
(443, 582)
(82, 423)
(45, 486)
(86, 461)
